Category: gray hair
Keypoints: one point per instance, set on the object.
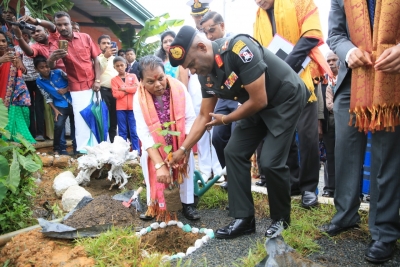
(149, 62)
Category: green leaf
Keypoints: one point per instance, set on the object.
(168, 123)
(174, 133)
(163, 132)
(167, 149)
(28, 164)
(3, 114)
(4, 167)
(37, 159)
(156, 146)
(6, 148)
(14, 176)
(5, 133)
(25, 142)
(3, 191)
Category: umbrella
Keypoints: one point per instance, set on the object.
(90, 120)
(100, 112)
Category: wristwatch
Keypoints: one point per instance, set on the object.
(159, 165)
(39, 21)
(96, 81)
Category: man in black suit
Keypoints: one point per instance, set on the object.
(368, 48)
(132, 65)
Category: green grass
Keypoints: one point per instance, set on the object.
(256, 254)
(214, 198)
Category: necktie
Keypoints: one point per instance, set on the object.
(371, 10)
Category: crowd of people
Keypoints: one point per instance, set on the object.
(230, 95)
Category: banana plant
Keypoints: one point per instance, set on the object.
(129, 37)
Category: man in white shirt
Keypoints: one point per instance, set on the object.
(107, 73)
(207, 156)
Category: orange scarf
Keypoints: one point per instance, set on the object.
(375, 96)
(177, 114)
(295, 19)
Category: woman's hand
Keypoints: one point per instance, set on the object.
(163, 175)
(176, 159)
(7, 57)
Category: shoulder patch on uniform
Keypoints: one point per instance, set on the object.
(245, 54)
(238, 46)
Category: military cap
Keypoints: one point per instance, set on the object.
(199, 7)
(181, 45)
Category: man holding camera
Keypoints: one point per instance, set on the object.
(107, 72)
(77, 58)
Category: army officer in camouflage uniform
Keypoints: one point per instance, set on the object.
(272, 97)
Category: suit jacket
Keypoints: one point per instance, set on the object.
(134, 69)
(339, 42)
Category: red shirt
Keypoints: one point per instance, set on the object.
(124, 100)
(78, 63)
(43, 49)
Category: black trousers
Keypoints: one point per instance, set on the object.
(36, 109)
(222, 133)
(273, 157)
(304, 175)
(329, 141)
(106, 95)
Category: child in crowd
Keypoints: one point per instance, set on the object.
(123, 87)
(54, 86)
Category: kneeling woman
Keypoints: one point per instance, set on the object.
(162, 99)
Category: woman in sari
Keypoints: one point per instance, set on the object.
(176, 72)
(14, 92)
(161, 99)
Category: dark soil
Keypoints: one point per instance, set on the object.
(170, 240)
(104, 210)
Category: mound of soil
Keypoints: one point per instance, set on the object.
(33, 249)
(170, 240)
(104, 210)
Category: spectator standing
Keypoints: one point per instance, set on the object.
(37, 104)
(207, 156)
(107, 72)
(367, 86)
(298, 22)
(124, 87)
(121, 53)
(54, 86)
(75, 26)
(132, 64)
(82, 76)
(7, 14)
(14, 92)
(329, 126)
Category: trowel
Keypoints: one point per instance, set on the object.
(134, 200)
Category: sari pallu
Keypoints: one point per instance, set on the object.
(157, 207)
(295, 19)
(375, 95)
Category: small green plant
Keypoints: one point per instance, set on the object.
(164, 131)
(17, 163)
(57, 211)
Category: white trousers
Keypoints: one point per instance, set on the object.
(207, 156)
(80, 100)
(186, 188)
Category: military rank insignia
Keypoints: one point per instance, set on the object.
(245, 54)
(218, 60)
(231, 80)
(238, 46)
(209, 84)
(225, 46)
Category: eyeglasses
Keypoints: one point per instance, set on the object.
(211, 29)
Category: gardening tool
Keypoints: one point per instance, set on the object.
(200, 187)
(134, 200)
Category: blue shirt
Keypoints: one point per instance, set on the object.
(48, 87)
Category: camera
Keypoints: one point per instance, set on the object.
(23, 25)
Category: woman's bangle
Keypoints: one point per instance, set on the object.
(222, 119)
